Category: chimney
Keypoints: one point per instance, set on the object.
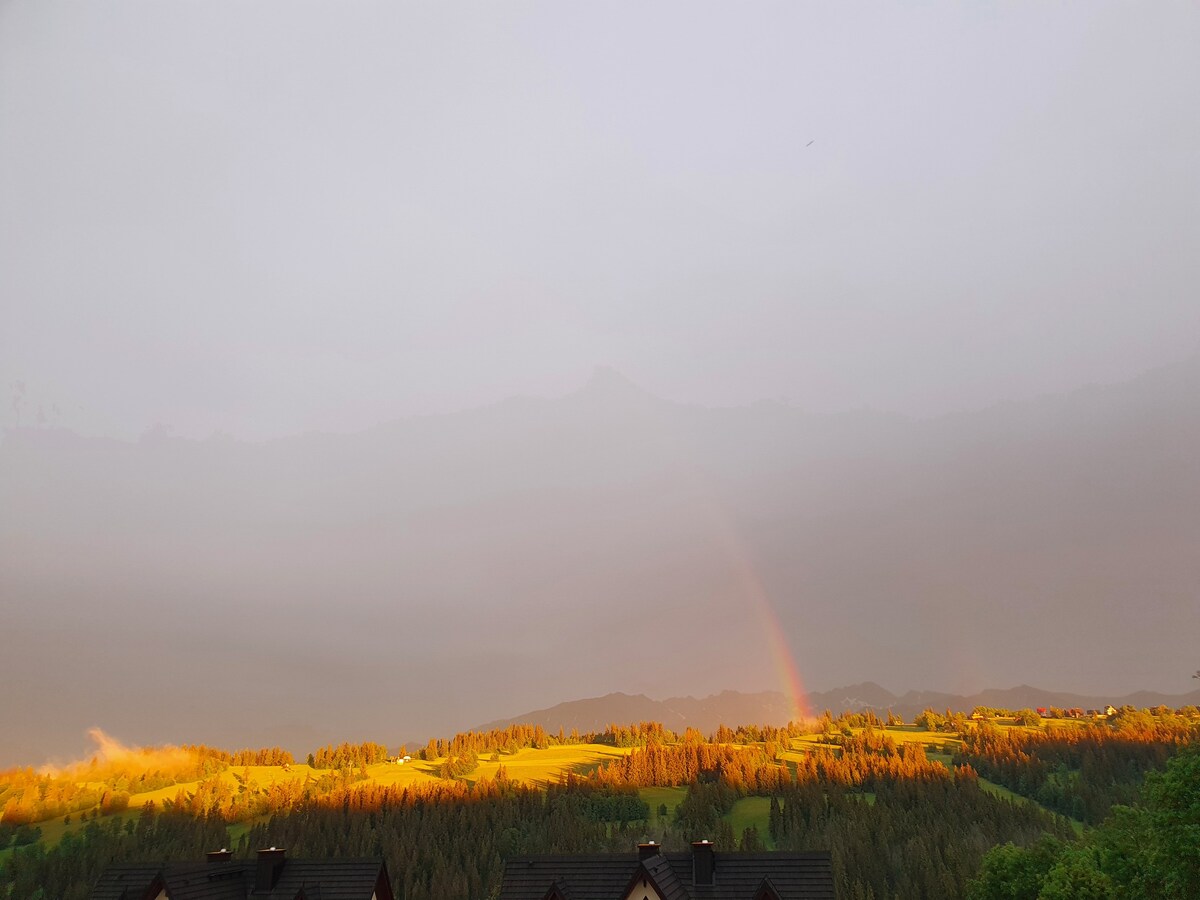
(648, 849)
(703, 863)
(219, 856)
(270, 864)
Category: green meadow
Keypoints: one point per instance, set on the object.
(752, 812)
(536, 796)
(535, 767)
(657, 797)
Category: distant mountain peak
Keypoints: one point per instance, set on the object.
(606, 384)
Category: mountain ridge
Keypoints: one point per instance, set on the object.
(733, 708)
(1050, 541)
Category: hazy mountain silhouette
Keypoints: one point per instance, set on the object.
(773, 708)
(419, 576)
(677, 713)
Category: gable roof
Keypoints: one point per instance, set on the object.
(766, 890)
(663, 877)
(125, 881)
(313, 879)
(658, 872)
(737, 876)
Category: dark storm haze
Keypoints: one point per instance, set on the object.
(378, 370)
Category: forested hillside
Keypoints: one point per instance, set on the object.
(907, 810)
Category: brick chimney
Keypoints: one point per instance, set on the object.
(219, 856)
(703, 863)
(648, 849)
(270, 864)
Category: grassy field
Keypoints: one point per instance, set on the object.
(946, 743)
(529, 766)
(540, 767)
(655, 797)
(752, 812)
(532, 767)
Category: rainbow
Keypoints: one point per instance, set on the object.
(752, 590)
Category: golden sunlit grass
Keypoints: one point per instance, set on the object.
(901, 734)
(529, 766)
(262, 776)
(541, 767)
(945, 742)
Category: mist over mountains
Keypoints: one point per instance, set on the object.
(774, 708)
(428, 573)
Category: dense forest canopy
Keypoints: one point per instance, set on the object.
(972, 810)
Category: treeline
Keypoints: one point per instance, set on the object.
(639, 734)
(754, 734)
(871, 758)
(69, 870)
(636, 734)
(897, 823)
(216, 798)
(18, 835)
(348, 756)
(523, 737)
(1148, 851)
(1079, 771)
(458, 765)
(450, 839)
(265, 756)
(598, 802)
(746, 769)
(845, 723)
(26, 798)
(499, 740)
(108, 784)
(859, 761)
(907, 838)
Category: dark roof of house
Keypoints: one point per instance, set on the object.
(736, 876)
(312, 879)
(125, 880)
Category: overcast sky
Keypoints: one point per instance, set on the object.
(268, 218)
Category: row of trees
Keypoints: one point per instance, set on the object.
(637, 734)
(107, 783)
(450, 839)
(1080, 772)
(264, 756)
(348, 756)
(500, 740)
(905, 838)
(1149, 851)
(748, 769)
(897, 823)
